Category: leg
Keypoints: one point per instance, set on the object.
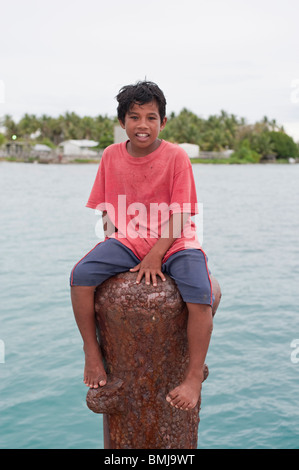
(105, 260)
(217, 294)
(83, 306)
(190, 271)
(199, 330)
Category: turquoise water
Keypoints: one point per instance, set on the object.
(251, 233)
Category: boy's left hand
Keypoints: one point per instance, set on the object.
(150, 268)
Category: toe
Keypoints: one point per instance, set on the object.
(177, 401)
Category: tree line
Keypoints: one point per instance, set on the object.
(54, 130)
(250, 142)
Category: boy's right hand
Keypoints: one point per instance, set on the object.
(150, 268)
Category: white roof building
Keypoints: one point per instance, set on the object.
(120, 135)
(79, 147)
(192, 150)
(41, 148)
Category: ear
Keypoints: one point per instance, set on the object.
(163, 124)
(122, 124)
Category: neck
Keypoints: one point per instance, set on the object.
(138, 152)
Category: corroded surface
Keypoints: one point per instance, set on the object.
(142, 332)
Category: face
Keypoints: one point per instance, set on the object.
(142, 125)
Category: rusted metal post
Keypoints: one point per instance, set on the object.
(143, 337)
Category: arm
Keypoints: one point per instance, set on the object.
(108, 226)
(151, 264)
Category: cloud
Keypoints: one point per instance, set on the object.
(74, 56)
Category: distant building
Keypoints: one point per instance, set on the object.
(192, 150)
(41, 148)
(17, 149)
(120, 135)
(43, 153)
(79, 147)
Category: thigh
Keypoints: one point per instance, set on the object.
(189, 269)
(106, 259)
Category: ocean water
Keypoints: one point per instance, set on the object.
(251, 236)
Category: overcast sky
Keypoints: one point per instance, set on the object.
(235, 55)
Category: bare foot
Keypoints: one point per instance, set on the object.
(94, 372)
(187, 394)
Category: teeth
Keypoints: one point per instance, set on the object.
(142, 135)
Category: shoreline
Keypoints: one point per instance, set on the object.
(83, 161)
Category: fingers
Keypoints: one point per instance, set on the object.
(163, 278)
(149, 275)
(154, 279)
(136, 268)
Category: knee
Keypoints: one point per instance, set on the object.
(77, 275)
(217, 294)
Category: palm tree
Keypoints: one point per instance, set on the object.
(28, 125)
(11, 127)
(262, 144)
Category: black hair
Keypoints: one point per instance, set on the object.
(140, 93)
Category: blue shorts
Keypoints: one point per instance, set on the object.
(188, 268)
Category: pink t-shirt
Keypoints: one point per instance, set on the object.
(140, 194)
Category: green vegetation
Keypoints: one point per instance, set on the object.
(52, 131)
(283, 145)
(250, 143)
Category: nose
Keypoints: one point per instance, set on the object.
(142, 123)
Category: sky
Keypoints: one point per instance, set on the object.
(63, 56)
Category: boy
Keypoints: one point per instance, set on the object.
(153, 178)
